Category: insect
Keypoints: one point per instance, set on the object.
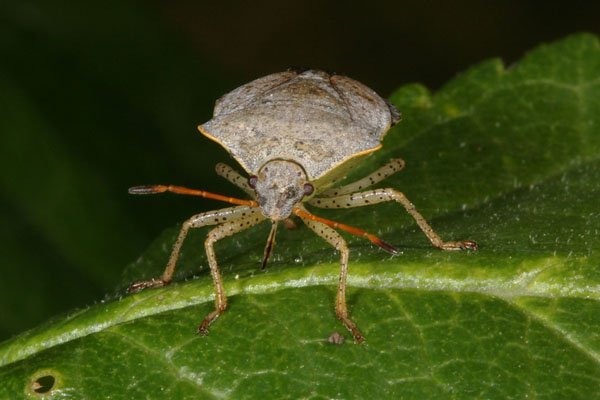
(296, 134)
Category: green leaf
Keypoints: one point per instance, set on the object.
(508, 158)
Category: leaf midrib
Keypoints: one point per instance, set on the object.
(322, 275)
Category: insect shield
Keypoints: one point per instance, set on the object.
(295, 134)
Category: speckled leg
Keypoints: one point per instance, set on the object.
(229, 228)
(381, 195)
(197, 221)
(234, 177)
(388, 169)
(336, 240)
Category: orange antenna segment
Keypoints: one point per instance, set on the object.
(355, 231)
(152, 189)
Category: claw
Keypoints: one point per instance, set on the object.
(202, 331)
(141, 285)
(469, 244)
(465, 244)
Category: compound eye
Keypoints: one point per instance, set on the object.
(308, 189)
(252, 179)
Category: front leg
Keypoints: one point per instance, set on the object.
(375, 196)
(197, 221)
(226, 229)
(377, 176)
(234, 177)
(336, 240)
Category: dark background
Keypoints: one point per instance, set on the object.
(95, 98)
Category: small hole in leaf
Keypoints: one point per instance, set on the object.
(43, 384)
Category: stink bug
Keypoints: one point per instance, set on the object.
(296, 134)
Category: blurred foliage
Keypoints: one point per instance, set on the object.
(94, 100)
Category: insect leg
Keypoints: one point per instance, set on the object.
(253, 217)
(388, 169)
(382, 195)
(197, 221)
(336, 240)
(234, 177)
(302, 213)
